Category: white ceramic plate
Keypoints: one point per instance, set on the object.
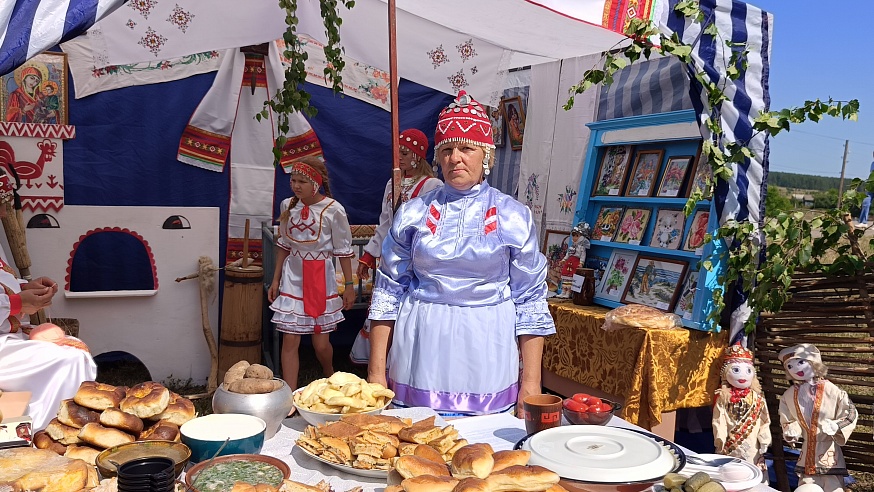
(383, 474)
(594, 453)
(752, 478)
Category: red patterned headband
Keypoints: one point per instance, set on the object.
(308, 171)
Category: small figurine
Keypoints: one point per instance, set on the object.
(740, 415)
(817, 412)
(575, 256)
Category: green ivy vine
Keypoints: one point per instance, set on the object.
(790, 242)
(291, 97)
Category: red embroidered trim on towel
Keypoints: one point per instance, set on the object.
(210, 149)
(299, 146)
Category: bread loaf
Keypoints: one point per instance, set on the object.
(472, 484)
(74, 415)
(429, 453)
(104, 437)
(429, 483)
(112, 417)
(62, 433)
(413, 466)
(522, 479)
(84, 453)
(639, 316)
(146, 400)
(473, 460)
(29, 469)
(179, 410)
(161, 431)
(98, 396)
(508, 458)
(42, 440)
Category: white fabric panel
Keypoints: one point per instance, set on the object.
(252, 171)
(571, 139)
(48, 25)
(539, 133)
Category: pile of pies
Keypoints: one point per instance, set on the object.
(372, 442)
(473, 468)
(101, 416)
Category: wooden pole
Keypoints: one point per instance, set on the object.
(206, 273)
(246, 245)
(396, 174)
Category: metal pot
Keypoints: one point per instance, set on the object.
(271, 407)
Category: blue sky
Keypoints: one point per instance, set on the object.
(821, 50)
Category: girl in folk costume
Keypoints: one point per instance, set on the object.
(740, 415)
(418, 179)
(50, 367)
(817, 412)
(460, 291)
(313, 229)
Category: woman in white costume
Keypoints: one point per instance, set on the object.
(818, 413)
(460, 292)
(51, 372)
(418, 179)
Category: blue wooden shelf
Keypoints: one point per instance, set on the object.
(647, 200)
(667, 253)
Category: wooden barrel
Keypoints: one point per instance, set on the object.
(240, 336)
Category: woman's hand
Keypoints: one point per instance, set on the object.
(378, 379)
(525, 389)
(363, 271)
(273, 291)
(348, 297)
(34, 299)
(41, 283)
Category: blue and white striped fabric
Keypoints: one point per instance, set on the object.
(740, 198)
(29, 27)
(655, 86)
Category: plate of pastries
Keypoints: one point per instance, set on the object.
(473, 468)
(101, 416)
(368, 445)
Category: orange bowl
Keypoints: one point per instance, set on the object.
(591, 418)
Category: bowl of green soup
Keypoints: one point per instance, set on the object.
(220, 474)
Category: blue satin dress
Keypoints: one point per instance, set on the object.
(462, 276)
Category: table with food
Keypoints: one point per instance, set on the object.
(344, 437)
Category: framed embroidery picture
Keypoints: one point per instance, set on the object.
(686, 301)
(616, 275)
(644, 172)
(632, 226)
(496, 117)
(611, 174)
(654, 282)
(668, 230)
(599, 264)
(700, 179)
(515, 119)
(555, 248)
(36, 92)
(697, 231)
(606, 223)
(675, 174)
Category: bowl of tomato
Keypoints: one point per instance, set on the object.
(585, 409)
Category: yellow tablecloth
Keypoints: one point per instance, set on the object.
(655, 371)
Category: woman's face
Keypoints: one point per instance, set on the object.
(406, 158)
(302, 187)
(31, 81)
(740, 374)
(798, 369)
(462, 165)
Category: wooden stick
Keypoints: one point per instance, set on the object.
(206, 271)
(246, 245)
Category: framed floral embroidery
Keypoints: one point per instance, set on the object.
(632, 226)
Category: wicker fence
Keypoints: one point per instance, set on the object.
(837, 315)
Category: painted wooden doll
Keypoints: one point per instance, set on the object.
(817, 413)
(740, 415)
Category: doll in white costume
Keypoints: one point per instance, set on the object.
(818, 414)
(575, 256)
(740, 415)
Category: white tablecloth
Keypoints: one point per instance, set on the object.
(501, 431)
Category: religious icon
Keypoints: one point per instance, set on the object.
(36, 92)
(515, 115)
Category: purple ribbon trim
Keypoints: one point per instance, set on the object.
(472, 403)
